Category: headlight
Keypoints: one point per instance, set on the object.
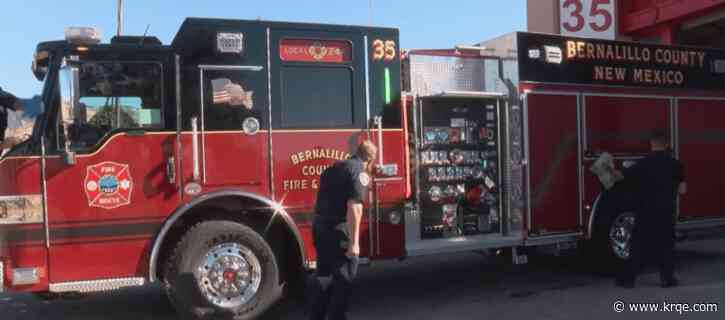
(21, 209)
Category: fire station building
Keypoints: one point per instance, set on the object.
(668, 22)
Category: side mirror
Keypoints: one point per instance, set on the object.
(69, 93)
(69, 96)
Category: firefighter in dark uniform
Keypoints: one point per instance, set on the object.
(336, 232)
(659, 179)
(7, 102)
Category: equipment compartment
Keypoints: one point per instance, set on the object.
(459, 161)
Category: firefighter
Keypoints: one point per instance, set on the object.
(658, 179)
(336, 232)
(7, 102)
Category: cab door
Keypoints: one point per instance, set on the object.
(106, 173)
(318, 109)
(233, 109)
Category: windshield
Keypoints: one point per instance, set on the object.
(109, 96)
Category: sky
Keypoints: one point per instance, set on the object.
(422, 23)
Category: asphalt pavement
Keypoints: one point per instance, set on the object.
(456, 286)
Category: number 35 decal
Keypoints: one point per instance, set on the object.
(384, 50)
(577, 20)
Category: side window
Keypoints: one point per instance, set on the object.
(317, 97)
(319, 81)
(231, 96)
(121, 112)
(113, 95)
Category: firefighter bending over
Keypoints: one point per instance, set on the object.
(336, 232)
(658, 179)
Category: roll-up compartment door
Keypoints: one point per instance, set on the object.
(701, 143)
(553, 158)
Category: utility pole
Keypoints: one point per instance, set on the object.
(119, 28)
(119, 17)
(370, 10)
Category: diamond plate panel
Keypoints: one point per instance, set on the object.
(433, 74)
(96, 285)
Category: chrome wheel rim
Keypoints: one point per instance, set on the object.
(229, 275)
(620, 235)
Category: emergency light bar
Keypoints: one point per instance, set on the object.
(82, 35)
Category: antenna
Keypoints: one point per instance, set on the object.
(119, 17)
(144, 34)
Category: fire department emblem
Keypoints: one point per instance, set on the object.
(108, 185)
(364, 179)
(317, 51)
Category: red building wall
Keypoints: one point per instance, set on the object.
(660, 19)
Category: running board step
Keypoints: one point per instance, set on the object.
(96, 285)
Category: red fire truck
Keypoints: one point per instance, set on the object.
(196, 164)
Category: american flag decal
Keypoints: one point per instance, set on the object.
(221, 96)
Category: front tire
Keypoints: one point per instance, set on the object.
(222, 270)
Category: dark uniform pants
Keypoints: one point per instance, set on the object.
(651, 241)
(331, 287)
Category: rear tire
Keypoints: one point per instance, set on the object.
(611, 243)
(222, 270)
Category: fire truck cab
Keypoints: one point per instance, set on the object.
(214, 144)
